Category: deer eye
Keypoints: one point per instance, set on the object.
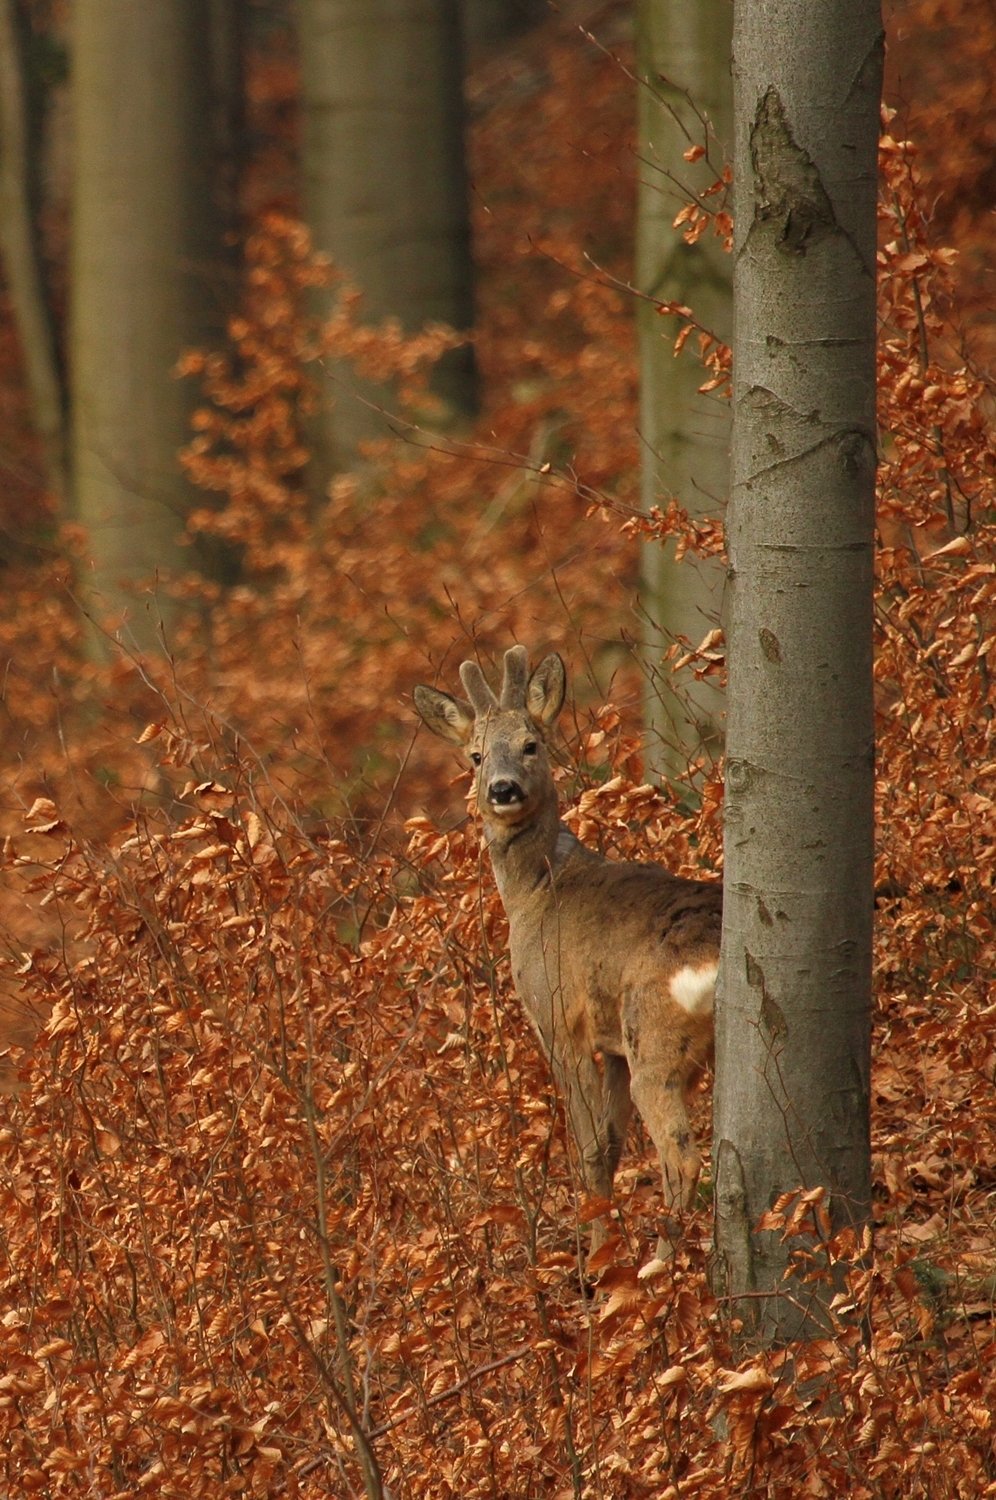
(475, 758)
(530, 747)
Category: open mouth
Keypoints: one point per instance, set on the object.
(506, 801)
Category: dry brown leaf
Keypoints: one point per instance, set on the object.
(756, 1379)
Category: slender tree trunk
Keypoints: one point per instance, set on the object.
(488, 23)
(148, 279)
(685, 101)
(792, 1046)
(385, 186)
(19, 245)
(228, 22)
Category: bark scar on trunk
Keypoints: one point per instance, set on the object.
(868, 73)
(787, 186)
(733, 1263)
(772, 1016)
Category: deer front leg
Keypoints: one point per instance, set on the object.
(598, 1112)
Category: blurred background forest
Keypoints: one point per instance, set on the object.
(286, 1200)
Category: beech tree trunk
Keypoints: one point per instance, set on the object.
(148, 279)
(488, 23)
(385, 187)
(792, 1044)
(685, 100)
(22, 259)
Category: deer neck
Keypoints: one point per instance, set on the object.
(526, 856)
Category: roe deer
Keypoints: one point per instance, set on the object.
(608, 956)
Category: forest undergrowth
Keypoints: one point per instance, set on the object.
(287, 1202)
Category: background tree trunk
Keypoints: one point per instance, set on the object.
(22, 259)
(487, 23)
(792, 1085)
(385, 185)
(148, 279)
(685, 100)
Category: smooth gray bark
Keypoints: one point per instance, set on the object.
(792, 1044)
(22, 260)
(385, 187)
(148, 279)
(685, 100)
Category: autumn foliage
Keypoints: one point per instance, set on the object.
(287, 1205)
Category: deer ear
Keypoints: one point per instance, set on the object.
(448, 717)
(546, 690)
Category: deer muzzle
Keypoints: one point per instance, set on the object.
(505, 793)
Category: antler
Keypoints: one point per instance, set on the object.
(482, 699)
(513, 683)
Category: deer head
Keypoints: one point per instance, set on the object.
(505, 737)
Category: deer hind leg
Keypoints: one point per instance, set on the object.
(598, 1110)
(665, 1052)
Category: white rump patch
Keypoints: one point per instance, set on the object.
(695, 989)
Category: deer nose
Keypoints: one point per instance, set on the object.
(504, 793)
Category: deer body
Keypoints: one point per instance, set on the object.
(609, 957)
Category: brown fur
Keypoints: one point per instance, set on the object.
(595, 943)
